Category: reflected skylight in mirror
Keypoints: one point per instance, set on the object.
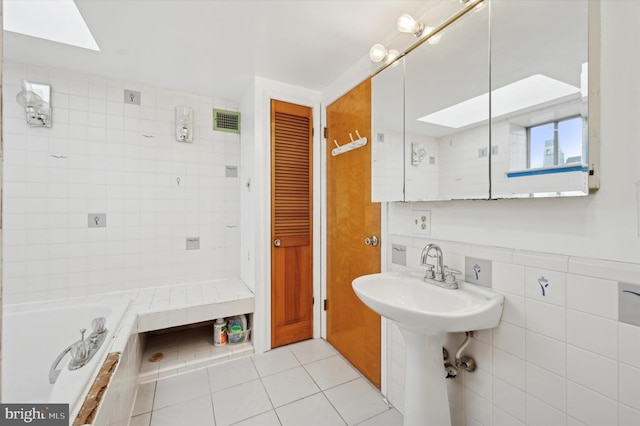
(519, 95)
(58, 21)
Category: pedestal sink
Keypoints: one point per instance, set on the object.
(424, 313)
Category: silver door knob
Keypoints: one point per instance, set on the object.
(371, 241)
(277, 242)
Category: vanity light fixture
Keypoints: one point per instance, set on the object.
(407, 24)
(184, 124)
(379, 53)
(35, 99)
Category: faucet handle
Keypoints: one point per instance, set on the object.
(429, 272)
(98, 324)
(449, 275)
(79, 352)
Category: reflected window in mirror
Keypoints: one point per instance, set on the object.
(555, 144)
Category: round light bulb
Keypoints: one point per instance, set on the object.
(434, 39)
(377, 52)
(392, 56)
(406, 24)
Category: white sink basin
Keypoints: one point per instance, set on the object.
(424, 313)
(426, 308)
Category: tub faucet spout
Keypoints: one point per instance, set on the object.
(53, 372)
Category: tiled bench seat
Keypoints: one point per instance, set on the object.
(178, 305)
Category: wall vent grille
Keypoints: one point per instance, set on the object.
(226, 121)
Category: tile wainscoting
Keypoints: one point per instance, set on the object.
(561, 354)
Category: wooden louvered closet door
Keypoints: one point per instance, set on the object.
(291, 223)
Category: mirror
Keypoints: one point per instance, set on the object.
(446, 119)
(539, 103)
(387, 134)
(537, 93)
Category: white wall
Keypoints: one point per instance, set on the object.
(102, 156)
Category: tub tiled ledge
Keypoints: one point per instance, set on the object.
(167, 307)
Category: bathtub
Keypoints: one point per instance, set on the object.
(31, 341)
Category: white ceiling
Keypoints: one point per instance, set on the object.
(215, 47)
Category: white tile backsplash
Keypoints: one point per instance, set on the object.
(592, 333)
(630, 386)
(629, 344)
(541, 414)
(546, 353)
(589, 407)
(562, 358)
(546, 386)
(102, 156)
(509, 368)
(477, 407)
(629, 416)
(592, 371)
(508, 278)
(546, 319)
(509, 398)
(509, 338)
(593, 295)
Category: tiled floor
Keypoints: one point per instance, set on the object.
(307, 383)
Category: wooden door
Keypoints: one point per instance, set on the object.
(352, 328)
(291, 223)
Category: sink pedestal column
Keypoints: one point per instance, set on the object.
(426, 399)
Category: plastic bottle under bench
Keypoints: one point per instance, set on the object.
(220, 332)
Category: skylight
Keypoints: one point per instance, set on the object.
(528, 92)
(58, 21)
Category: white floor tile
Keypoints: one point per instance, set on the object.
(312, 350)
(292, 379)
(356, 401)
(144, 399)
(275, 361)
(240, 402)
(288, 386)
(332, 371)
(141, 420)
(312, 411)
(183, 387)
(232, 373)
(265, 419)
(195, 412)
(391, 417)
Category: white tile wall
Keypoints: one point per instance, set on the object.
(554, 360)
(102, 156)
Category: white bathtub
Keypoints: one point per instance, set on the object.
(31, 341)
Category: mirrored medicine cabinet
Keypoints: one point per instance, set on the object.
(499, 107)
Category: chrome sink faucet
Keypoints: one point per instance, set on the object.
(424, 261)
(443, 276)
